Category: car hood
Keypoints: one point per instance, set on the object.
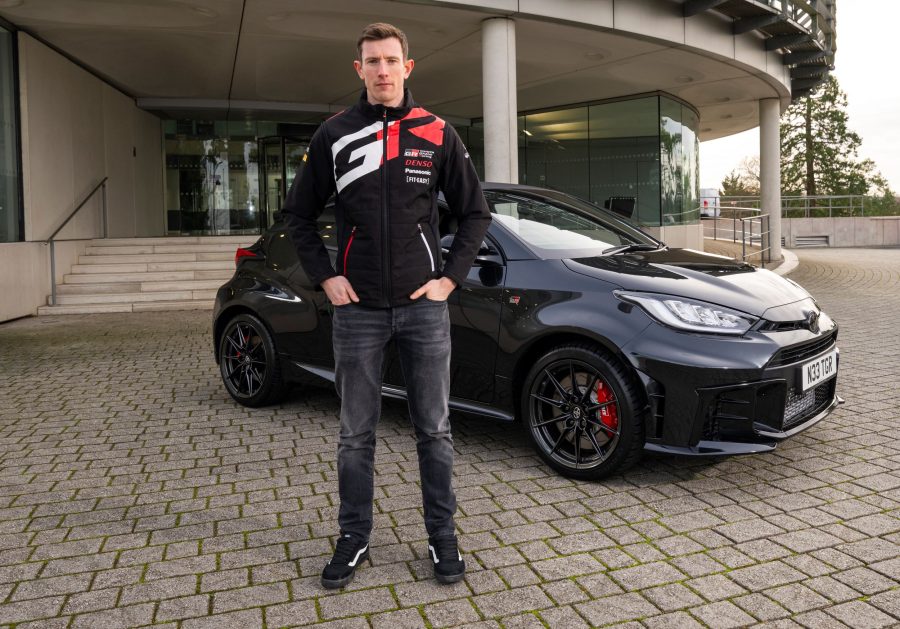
(697, 275)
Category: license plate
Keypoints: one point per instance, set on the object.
(820, 369)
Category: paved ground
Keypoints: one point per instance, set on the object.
(132, 492)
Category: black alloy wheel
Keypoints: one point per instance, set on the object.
(249, 363)
(581, 410)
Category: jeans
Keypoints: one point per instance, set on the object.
(421, 332)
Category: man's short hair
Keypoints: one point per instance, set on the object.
(379, 31)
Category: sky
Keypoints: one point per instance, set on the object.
(866, 66)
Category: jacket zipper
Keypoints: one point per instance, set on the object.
(427, 247)
(347, 248)
(385, 224)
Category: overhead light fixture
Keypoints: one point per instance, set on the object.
(595, 55)
(723, 99)
(727, 116)
(527, 132)
(684, 78)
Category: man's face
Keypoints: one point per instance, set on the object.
(383, 69)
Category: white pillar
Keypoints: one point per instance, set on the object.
(498, 63)
(770, 170)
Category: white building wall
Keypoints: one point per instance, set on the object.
(76, 129)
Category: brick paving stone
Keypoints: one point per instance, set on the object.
(93, 601)
(760, 607)
(618, 608)
(571, 566)
(246, 619)
(865, 581)
(182, 608)
(715, 587)
(342, 605)
(797, 598)
(400, 619)
(761, 576)
(646, 575)
(675, 620)
(253, 596)
(287, 614)
(449, 613)
(12, 613)
(504, 603)
(672, 597)
(861, 614)
(722, 615)
(123, 616)
(564, 592)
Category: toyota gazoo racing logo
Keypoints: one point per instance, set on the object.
(421, 153)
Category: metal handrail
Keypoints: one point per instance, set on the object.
(762, 218)
(51, 240)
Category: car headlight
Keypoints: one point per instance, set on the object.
(691, 315)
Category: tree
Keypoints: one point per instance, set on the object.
(819, 152)
(743, 182)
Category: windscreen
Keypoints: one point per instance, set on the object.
(556, 228)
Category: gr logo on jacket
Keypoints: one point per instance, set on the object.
(385, 166)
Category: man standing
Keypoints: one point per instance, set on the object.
(385, 159)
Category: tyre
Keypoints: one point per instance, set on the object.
(249, 363)
(582, 411)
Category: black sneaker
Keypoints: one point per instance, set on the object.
(449, 566)
(349, 552)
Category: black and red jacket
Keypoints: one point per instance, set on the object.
(386, 165)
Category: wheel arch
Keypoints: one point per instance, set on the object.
(227, 315)
(540, 346)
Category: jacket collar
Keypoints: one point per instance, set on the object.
(377, 111)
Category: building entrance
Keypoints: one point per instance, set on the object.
(280, 159)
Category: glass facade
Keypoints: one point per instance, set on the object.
(10, 204)
(229, 177)
(639, 157)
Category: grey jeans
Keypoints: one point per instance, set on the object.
(421, 332)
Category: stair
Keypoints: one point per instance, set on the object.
(144, 274)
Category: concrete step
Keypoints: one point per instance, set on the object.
(95, 289)
(124, 298)
(160, 248)
(143, 267)
(67, 309)
(110, 278)
(157, 257)
(168, 240)
(82, 309)
(137, 287)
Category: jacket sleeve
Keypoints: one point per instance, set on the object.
(459, 182)
(305, 202)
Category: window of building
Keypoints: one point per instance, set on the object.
(10, 191)
(639, 157)
(229, 177)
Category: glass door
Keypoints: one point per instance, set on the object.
(280, 160)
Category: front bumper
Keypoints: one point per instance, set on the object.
(729, 395)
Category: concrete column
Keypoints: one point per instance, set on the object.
(498, 63)
(770, 170)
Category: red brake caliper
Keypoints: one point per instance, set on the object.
(608, 415)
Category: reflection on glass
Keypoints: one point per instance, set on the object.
(625, 158)
(216, 182)
(671, 161)
(556, 149)
(10, 226)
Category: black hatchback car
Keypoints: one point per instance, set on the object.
(599, 338)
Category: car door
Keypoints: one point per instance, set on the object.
(475, 323)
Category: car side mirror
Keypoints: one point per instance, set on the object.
(487, 255)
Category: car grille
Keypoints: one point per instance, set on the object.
(802, 351)
(802, 406)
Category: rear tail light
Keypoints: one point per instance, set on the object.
(243, 253)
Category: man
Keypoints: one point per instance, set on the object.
(385, 159)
